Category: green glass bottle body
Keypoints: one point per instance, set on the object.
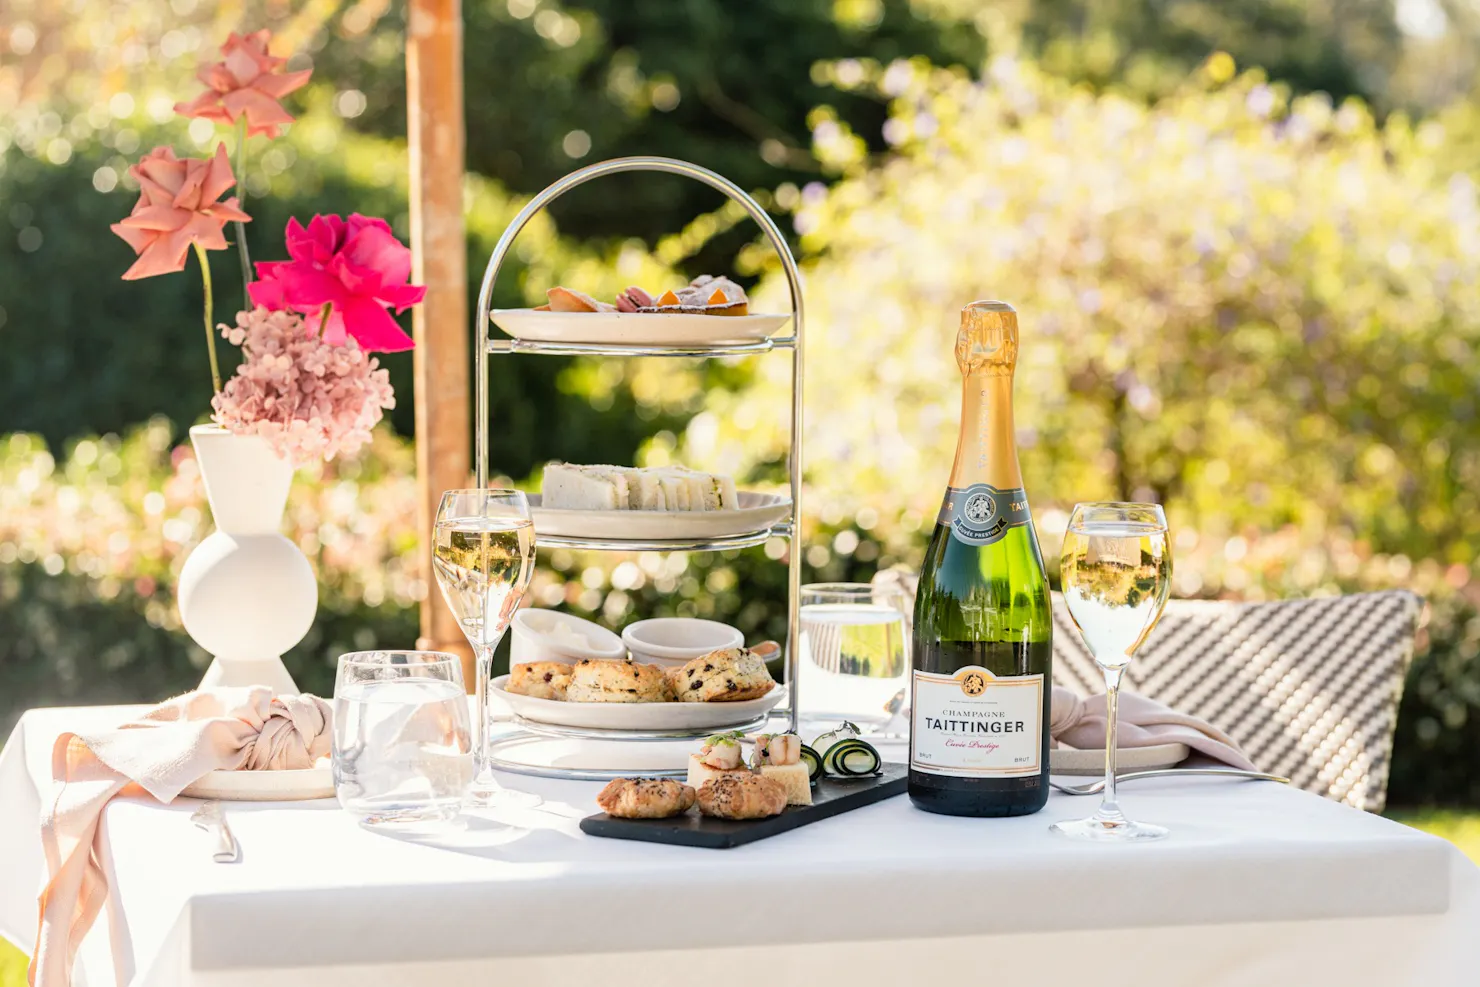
(982, 644)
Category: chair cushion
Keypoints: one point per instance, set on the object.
(1309, 688)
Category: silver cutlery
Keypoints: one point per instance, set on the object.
(212, 819)
(1096, 787)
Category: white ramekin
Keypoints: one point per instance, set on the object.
(671, 641)
(536, 638)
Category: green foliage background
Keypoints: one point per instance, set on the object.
(1212, 320)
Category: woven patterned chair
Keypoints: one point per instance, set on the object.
(1309, 688)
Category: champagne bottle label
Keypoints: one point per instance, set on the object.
(974, 724)
(982, 515)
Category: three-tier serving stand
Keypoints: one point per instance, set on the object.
(787, 528)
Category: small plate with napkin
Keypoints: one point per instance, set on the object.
(284, 785)
(181, 742)
(1152, 736)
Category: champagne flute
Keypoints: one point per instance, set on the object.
(484, 559)
(1116, 572)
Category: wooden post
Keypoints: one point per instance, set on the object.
(435, 130)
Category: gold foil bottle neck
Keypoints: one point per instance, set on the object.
(987, 342)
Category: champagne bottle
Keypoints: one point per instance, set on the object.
(983, 635)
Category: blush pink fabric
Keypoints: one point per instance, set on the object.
(1080, 723)
(169, 747)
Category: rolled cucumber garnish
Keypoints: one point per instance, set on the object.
(813, 761)
(851, 758)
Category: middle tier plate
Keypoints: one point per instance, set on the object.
(636, 716)
(757, 512)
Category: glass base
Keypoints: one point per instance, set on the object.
(421, 819)
(1097, 830)
(497, 797)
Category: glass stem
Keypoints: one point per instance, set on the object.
(484, 672)
(1109, 810)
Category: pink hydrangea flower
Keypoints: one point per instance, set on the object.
(308, 397)
(246, 82)
(357, 266)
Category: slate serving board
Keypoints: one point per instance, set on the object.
(830, 797)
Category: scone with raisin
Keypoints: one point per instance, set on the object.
(645, 798)
(540, 679)
(596, 680)
(741, 795)
(728, 675)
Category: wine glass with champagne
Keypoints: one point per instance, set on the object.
(1115, 572)
(483, 554)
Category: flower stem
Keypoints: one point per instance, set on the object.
(241, 191)
(205, 277)
(324, 314)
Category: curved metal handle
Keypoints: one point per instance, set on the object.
(614, 166)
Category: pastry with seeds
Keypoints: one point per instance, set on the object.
(540, 679)
(645, 798)
(742, 795)
(596, 680)
(727, 675)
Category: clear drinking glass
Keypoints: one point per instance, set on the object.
(1116, 572)
(853, 661)
(403, 756)
(483, 554)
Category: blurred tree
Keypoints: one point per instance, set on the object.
(1416, 55)
(1340, 47)
(1262, 312)
(552, 85)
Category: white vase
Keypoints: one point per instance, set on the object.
(247, 594)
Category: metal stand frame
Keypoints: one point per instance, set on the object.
(785, 529)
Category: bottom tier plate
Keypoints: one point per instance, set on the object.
(584, 760)
(637, 716)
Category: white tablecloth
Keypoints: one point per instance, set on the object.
(1259, 885)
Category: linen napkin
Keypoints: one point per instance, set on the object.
(169, 747)
(1080, 723)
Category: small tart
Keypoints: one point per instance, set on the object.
(705, 295)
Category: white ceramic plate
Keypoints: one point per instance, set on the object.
(265, 786)
(645, 758)
(1061, 760)
(757, 512)
(1067, 761)
(636, 716)
(636, 328)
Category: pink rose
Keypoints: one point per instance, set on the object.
(177, 206)
(247, 82)
(357, 266)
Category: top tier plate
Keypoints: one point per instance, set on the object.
(636, 328)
